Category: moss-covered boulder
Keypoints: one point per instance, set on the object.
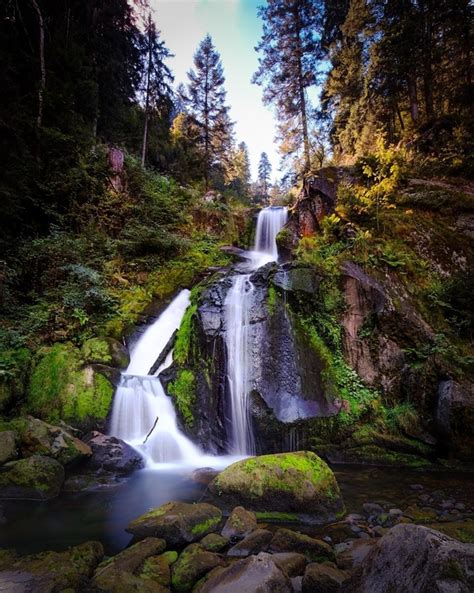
(106, 351)
(123, 572)
(36, 478)
(158, 568)
(290, 482)
(36, 437)
(287, 540)
(8, 446)
(214, 542)
(63, 388)
(179, 523)
(239, 524)
(255, 542)
(53, 571)
(193, 563)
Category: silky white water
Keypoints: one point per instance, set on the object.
(237, 315)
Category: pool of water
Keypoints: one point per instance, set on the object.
(31, 526)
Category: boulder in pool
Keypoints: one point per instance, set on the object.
(179, 523)
(111, 454)
(37, 478)
(298, 482)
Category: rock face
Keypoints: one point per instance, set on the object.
(417, 559)
(179, 523)
(110, 454)
(257, 573)
(36, 478)
(53, 571)
(290, 482)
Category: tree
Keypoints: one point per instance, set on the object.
(239, 172)
(205, 99)
(157, 76)
(264, 172)
(290, 49)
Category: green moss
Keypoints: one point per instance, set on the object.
(272, 299)
(61, 389)
(205, 526)
(183, 339)
(277, 517)
(183, 390)
(97, 350)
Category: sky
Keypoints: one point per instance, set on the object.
(235, 30)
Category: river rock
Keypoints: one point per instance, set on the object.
(250, 575)
(158, 568)
(239, 524)
(193, 563)
(291, 563)
(179, 523)
(36, 478)
(289, 482)
(8, 446)
(214, 542)
(323, 578)
(353, 553)
(255, 542)
(417, 559)
(111, 454)
(286, 540)
(119, 570)
(49, 572)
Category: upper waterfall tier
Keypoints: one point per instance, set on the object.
(269, 223)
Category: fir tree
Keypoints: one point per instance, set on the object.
(264, 173)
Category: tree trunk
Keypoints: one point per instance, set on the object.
(206, 130)
(428, 60)
(147, 96)
(42, 86)
(412, 94)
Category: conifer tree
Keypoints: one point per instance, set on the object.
(264, 173)
(205, 99)
(290, 49)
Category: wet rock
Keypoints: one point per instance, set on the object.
(239, 524)
(254, 574)
(323, 578)
(416, 559)
(455, 416)
(158, 568)
(51, 572)
(292, 278)
(179, 523)
(291, 563)
(204, 475)
(288, 482)
(8, 446)
(255, 542)
(106, 351)
(110, 454)
(353, 553)
(214, 542)
(193, 563)
(286, 540)
(36, 478)
(117, 569)
(371, 509)
(92, 482)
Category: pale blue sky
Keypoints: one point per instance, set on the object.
(235, 30)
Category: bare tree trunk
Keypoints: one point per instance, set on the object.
(42, 86)
(147, 97)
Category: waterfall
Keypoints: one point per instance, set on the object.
(237, 314)
(143, 415)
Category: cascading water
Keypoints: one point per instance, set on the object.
(143, 415)
(238, 303)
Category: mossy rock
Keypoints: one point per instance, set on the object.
(158, 568)
(179, 523)
(193, 563)
(298, 482)
(62, 388)
(37, 478)
(55, 571)
(214, 542)
(287, 540)
(239, 524)
(106, 351)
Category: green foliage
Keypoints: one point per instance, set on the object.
(183, 338)
(272, 299)
(183, 390)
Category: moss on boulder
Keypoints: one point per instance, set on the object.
(179, 523)
(62, 388)
(193, 563)
(36, 478)
(106, 351)
(289, 482)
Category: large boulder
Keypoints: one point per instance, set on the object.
(111, 454)
(417, 559)
(254, 574)
(40, 438)
(37, 478)
(179, 523)
(298, 482)
(49, 572)
(8, 446)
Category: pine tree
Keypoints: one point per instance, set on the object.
(240, 171)
(264, 173)
(157, 77)
(290, 50)
(205, 99)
